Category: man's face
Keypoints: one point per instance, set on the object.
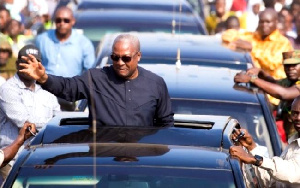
(64, 22)
(295, 9)
(14, 28)
(126, 66)
(295, 115)
(4, 17)
(292, 71)
(4, 56)
(267, 24)
(220, 7)
(256, 8)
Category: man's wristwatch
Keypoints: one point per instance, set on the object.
(258, 160)
(253, 77)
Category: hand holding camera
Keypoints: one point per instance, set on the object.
(242, 137)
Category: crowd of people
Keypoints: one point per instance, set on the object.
(46, 68)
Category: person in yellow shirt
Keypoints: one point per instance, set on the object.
(221, 15)
(266, 45)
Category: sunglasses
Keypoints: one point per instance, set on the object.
(125, 58)
(65, 20)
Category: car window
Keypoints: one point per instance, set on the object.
(121, 176)
(250, 116)
(97, 33)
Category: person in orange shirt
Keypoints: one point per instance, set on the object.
(266, 44)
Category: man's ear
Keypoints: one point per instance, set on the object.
(73, 21)
(139, 56)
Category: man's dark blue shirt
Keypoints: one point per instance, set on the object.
(143, 101)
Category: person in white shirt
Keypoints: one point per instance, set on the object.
(23, 100)
(2, 80)
(9, 152)
(283, 171)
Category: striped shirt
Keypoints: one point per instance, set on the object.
(19, 104)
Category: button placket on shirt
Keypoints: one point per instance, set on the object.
(128, 91)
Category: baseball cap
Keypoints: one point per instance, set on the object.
(292, 57)
(30, 49)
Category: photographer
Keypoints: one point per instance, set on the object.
(283, 171)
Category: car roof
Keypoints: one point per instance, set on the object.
(188, 130)
(165, 5)
(96, 18)
(201, 83)
(194, 49)
(207, 155)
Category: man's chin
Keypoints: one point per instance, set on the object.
(297, 127)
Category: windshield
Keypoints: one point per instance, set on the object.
(250, 116)
(123, 176)
(96, 32)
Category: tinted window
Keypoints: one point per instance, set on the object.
(95, 32)
(250, 116)
(121, 176)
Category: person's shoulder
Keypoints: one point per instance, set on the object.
(10, 86)
(150, 75)
(78, 36)
(98, 72)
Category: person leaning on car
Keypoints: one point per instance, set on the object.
(283, 171)
(122, 94)
(285, 89)
(9, 152)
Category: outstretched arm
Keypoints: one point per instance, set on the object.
(10, 151)
(273, 89)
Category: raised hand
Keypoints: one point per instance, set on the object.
(25, 132)
(33, 69)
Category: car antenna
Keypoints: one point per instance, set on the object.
(178, 62)
(94, 125)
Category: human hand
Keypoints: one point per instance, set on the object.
(25, 133)
(242, 137)
(33, 69)
(239, 153)
(242, 78)
(243, 45)
(254, 71)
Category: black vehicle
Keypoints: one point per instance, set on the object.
(164, 48)
(204, 90)
(158, 5)
(185, 6)
(70, 153)
(95, 24)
